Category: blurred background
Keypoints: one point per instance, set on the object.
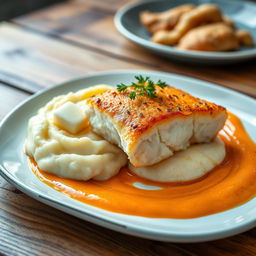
(12, 8)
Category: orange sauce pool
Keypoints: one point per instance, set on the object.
(230, 184)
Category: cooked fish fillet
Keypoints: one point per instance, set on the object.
(189, 164)
(151, 129)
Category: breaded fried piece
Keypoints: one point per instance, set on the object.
(151, 129)
(228, 21)
(205, 13)
(212, 37)
(164, 20)
(244, 37)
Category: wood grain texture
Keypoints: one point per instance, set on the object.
(101, 35)
(30, 228)
(54, 45)
(13, 8)
(36, 61)
(10, 98)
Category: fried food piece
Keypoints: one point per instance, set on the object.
(164, 20)
(228, 21)
(212, 37)
(166, 37)
(151, 129)
(205, 13)
(244, 37)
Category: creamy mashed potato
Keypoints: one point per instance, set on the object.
(81, 156)
(85, 155)
(185, 165)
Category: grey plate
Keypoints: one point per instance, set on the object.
(14, 165)
(243, 13)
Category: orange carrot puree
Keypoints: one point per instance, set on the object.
(230, 184)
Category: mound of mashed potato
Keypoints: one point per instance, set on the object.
(81, 156)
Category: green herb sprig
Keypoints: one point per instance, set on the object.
(143, 86)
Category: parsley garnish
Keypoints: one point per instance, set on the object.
(121, 87)
(161, 83)
(141, 79)
(143, 86)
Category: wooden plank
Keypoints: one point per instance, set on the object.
(32, 61)
(100, 34)
(13, 8)
(28, 227)
(10, 98)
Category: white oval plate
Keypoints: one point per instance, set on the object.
(15, 169)
(242, 12)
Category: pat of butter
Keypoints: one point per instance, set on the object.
(70, 117)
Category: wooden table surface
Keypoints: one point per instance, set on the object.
(59, 43)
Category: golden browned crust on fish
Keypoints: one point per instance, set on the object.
(135, 117)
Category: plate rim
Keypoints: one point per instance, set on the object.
(141, 232)
(221, 56)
